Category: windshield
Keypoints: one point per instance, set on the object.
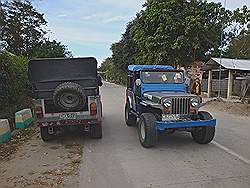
(155, 77)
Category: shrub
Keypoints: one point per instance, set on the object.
(14, 86)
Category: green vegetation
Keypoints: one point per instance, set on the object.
(14, 86)
(22, 37)
(175, 32)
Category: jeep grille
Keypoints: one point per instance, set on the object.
(181, 105)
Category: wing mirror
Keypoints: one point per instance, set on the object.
(138, 82)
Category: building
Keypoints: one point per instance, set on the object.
(233, 73)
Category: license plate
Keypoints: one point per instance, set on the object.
(170, 117)
(68, 116)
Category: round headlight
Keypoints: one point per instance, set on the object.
(195, 102)
(167, 103)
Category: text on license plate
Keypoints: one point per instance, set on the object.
(68, 116)
(170, 117)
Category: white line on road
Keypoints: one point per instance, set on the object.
(229, 151)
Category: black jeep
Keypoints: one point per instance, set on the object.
(66, 93)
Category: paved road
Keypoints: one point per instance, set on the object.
(118, 160)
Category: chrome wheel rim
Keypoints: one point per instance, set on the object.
(126, 114)
(142, 130)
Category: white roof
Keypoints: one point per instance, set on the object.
(235, 64)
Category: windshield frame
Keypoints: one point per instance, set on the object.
(160, 70)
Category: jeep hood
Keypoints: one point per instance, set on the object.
(157, 96)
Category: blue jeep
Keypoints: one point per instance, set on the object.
(159, 97)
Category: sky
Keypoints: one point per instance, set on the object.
(89, 27)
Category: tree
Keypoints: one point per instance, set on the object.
(14, 85)
(240, 47)
(181, 31)
(52, 49)
(22, 30)
(176, 32)
(125, 51)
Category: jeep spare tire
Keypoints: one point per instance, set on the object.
(69, 96)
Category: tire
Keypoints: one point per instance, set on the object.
(96, 131)
(46, 137)
(130, 118)
(69, 96)
(204, 135)
(148, 137)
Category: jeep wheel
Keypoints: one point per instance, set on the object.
(204, 135)
(96, 131)
(45, 134)
(147, 130)
(129, 117)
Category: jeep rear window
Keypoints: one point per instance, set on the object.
(156, 77)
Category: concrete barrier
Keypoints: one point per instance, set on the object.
(23, 118)
(5, 133)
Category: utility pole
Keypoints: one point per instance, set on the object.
(221, 54)
(1, 27)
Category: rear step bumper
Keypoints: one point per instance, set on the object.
(68, 123)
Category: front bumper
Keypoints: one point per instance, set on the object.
(162, 125)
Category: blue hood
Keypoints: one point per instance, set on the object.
(163, 87)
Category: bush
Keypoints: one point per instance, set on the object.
(14, 86)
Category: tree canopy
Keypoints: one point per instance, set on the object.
(178, 32)
(23, 31)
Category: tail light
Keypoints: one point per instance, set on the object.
(39, 112)
(93, 109)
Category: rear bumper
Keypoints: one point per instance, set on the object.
(162, 125)
(68, 123)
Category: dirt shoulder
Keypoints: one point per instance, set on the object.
(34, 163)
(228, 107)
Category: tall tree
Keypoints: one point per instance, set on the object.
(240, 47)
(181, 31)
(52, 49)
(125, 51)
(23, 25)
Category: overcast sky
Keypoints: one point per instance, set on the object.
(89, 27)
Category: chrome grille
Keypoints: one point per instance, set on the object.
(181, 105)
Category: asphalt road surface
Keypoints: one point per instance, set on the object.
(119, 161)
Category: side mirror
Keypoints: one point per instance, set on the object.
(138, 82)
(99, 80)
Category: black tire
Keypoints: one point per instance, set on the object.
(130, 118)
(147, 122)
(69, 96)
(96, 131)
(46, 137)
(204, 135)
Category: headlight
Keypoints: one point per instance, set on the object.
(195, 102)
(167, 103)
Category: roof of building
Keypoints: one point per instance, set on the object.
(148, 67)
(233, 64)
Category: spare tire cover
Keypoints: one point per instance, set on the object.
(69, 96)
